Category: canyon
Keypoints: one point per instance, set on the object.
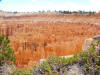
(38, 36)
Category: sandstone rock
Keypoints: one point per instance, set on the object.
(96, 37)
(75, 70)
(89, 41)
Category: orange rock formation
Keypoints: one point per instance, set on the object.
(39, 36)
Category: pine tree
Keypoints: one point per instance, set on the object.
(6, 52)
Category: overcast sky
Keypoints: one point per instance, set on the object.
(36, 5)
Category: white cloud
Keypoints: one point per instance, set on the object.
(49, 5)
(95, 4)
(0, 5)
(6, 0)
(33, 0)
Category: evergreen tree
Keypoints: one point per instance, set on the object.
(6, 52)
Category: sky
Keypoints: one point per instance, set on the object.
(39, 5)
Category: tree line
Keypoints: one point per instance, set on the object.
(55, 11)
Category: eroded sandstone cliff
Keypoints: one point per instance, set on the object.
(39, 36)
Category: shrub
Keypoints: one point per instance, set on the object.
(90, 60)
(18, 72)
